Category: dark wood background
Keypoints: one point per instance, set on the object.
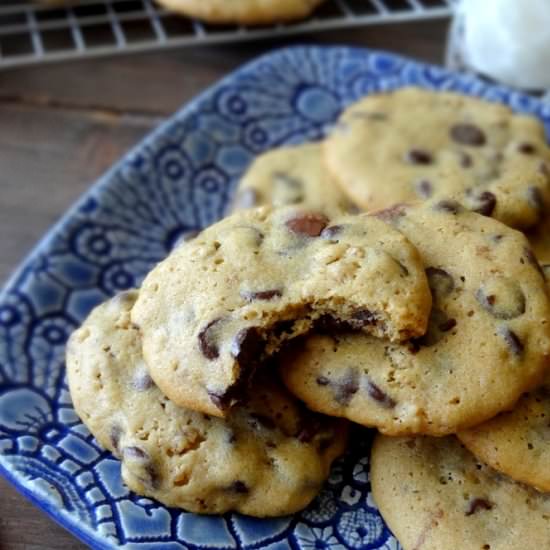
(61, 126)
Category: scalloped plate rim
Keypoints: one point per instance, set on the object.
(70, 523)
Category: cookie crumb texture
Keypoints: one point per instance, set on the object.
(245, 12)
(269, 458)
(487, 341)
(218, 306)
(435, 495)
(416, 144)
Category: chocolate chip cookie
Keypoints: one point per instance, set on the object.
(245, 12)
(414, 144)
(291, 175)
(218, 306)
(269, 458)
(517, 443)
(488, 337)
(435, 495)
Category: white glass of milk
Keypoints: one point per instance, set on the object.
(505, 40)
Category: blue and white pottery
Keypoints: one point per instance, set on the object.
(178, 179)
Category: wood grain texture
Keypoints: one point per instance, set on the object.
(62, 126)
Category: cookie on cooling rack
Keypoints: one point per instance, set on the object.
(245, 12)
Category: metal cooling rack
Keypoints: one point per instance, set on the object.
(31, 32)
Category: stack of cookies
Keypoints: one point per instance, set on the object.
(228, 380)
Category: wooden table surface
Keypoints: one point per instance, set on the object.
(61, 126)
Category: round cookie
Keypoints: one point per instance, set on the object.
(517, 442)
(488, 337)
(414, 144)
(244, 12)
(291, 175)
(435, 495)
(216, 307)
(269, 458)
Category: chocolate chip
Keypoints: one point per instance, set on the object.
(247, 198)
(478, 504)
(265, 295)
(440, 282)
(135, 453)
(262, 420)
(239, 487)
(220, 400)
(527, 148)
(327, 324)
(447, 325)
(115, 436)
(286, 189)
(309, 427)
(380, 396)
(465, 160)
(502, 298)
(512, 340)
(142, 382)
(390, 214)
(281, 328)
(414, 345)
(434, 333)
(329, 233)
(418, 156)
(322, 381)
(249, 234)
(346, 387)
(485, 203)
(362, 318)
(247, 346)
(207, 340)
(467, 134)
(310, 225)
(146, 472)
(448, 205)
(424, 189)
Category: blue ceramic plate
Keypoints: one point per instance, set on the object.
(179, 179)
